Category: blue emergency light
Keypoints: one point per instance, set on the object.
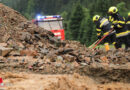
(39, 17)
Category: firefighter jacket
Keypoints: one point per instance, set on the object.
(118, 23)
(103, 26)
(128, 24)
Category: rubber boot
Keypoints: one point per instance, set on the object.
(107, 48)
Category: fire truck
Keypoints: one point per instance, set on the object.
(51, 23)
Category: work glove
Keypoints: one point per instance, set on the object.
(99, 37)
(115, 25)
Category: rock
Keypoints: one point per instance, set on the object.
(75, 64)
(87, 59)
(1, 61)
(4, 51)
(69, 58)
(59, 58)
(103, 58)
(3, 44)
(26, 36)
(41, 68)
(15, 53)
(1, 57)
(40, 44)
(58, 65)
(43, 51)
(21, 45)
(28, 53)
(84, 64)
(105, 64)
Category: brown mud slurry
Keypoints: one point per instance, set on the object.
(32, 58)
(26, 81)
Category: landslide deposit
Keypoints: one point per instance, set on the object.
(29, 54)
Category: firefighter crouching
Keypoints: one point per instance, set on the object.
(118, 22)
(104, 26)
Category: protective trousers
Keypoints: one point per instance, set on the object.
(110, 38)
(122, 40)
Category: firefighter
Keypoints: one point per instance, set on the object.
(128, 27)
(118, 23)
(103, 26)
(128, 24)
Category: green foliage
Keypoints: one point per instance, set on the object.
(30, 9)
(122, 8)
(75, 21)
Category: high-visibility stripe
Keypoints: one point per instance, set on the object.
(112, 26)
(119, 26)
(124, 18)
(111, 19)
(114, 43)
(104, 22)
(128, 22)
(115, 21)
(98, 34)
(106, 33)
(98, 29)
(122, 34)
(122, 22)
(106, 43)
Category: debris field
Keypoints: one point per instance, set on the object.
(30, 52)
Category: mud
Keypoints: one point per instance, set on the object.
(26, 81)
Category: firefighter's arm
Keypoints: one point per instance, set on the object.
(114, 24)
(98, 33)
(121, 24)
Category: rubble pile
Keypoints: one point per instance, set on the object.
(26, 47)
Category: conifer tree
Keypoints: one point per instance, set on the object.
(75, 21)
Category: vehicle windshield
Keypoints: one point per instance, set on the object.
(51, 25)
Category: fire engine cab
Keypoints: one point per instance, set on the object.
(51, 23)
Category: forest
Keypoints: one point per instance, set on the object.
(77, 14)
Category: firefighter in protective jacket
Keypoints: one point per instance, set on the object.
(104, 26)
(128, 24)
(118, 23)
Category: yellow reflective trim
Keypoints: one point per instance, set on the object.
(103, 22)
(98, 29)
(98, 34)
(122, 22)
(128, 22)
(112, 26)
(114, 43)
(119, 26)
(106, 33)
(123, 33)
(106, 43)
(124, 18)
(115, 21)
(111, 19)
